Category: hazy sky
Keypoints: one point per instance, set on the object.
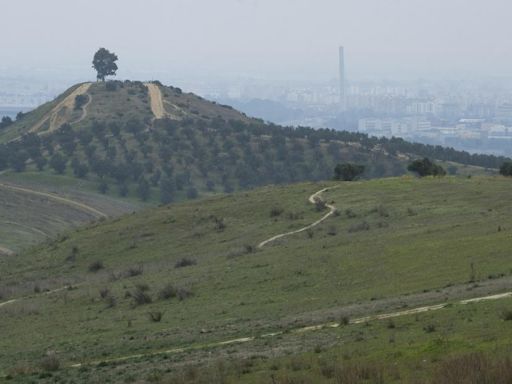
(262, 38)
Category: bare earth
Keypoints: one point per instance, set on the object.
(55, 115)
(157, 104)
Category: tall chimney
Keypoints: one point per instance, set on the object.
(343, 100)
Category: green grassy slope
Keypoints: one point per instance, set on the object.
(28, 216)
(389, 246)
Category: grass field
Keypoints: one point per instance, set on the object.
(387, 247)
(28, 216)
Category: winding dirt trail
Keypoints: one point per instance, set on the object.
(63, 200)
(312, 199)
(156, 101)
(301, 330)
(53, 115)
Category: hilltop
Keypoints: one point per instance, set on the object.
(157, 142)
(164, 287)
(129, 144)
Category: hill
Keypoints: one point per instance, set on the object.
(151, 294)
(162, 144)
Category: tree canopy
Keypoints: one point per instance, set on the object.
(425, 167)
(104, 62)
(348, 171)
(506, 168)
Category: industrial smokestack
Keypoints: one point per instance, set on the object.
(343, 101)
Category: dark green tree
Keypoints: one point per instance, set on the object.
(167, 189)
(506, 168)
(58, 163)
(425, 167)
(348, 171)
(143, 189)
(104, 62)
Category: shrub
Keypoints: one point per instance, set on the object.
(135, 271)
(332, 231)
(184, 262)
(140, 297)
(507, 315)
(276, 211)
(104, 293)
(167, 292)
(350, 213)
(348, 171)
(320, 205)
(80, 101)
(425, 167)
(50, 363)
(183, 293)
(95, 266)
(363, 226)
(155, 316)
(506, 168)
(429, 328)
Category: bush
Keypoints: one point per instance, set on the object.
(134, 271)
(183, 293)
(50, 363)
(80, 101)
(364, 226)
(348, 171)
(95, 266)
(276, 211)
(104, 293)
(320, 205)
(425, 167)
(506, 168)
(184, 262)
(140, 297)
(167, 292)
(507, 315)
(429, 328)
(155, 316)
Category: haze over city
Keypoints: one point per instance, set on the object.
(284, 39)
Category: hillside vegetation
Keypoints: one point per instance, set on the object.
(167, 145)
(190, 275)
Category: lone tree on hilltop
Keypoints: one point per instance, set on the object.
(104, 62)
(426, 167)
(348, 171)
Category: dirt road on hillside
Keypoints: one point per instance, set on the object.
(156, 101)
(301, 330)
(63, 200)
(312, 199)
(54, 115)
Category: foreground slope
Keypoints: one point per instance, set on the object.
(197, 266)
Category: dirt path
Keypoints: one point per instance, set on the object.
(84, 109)
(53, 115)
(301, 330)
(156, 101)
(312, 199)
(63, 200)
(6, 251)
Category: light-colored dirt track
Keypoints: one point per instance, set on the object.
(312, 199)
(156, 101)
(6, 251)
(54, 115)
(300, 330)
(63, 200)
